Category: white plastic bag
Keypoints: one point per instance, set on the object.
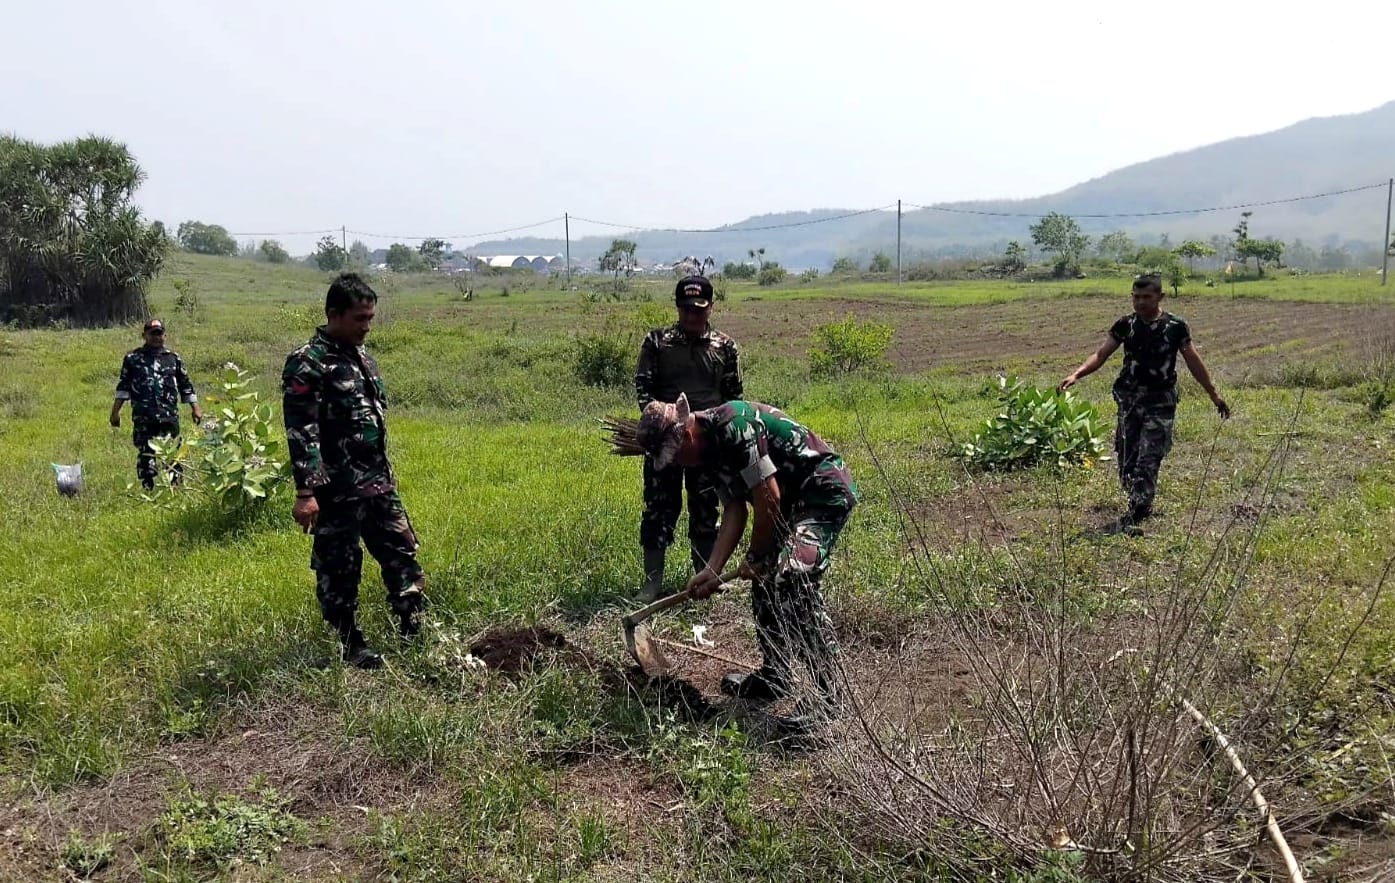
(69, 479)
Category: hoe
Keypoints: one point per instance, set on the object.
(642, 645)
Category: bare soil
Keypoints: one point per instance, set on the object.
(910, 675)
(1245, 336)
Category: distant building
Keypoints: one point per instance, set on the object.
(538, 262)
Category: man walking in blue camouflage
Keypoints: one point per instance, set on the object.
(335, 411)
(154, 381)
(1146, 391)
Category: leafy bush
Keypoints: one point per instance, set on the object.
(603, 360)
(274, 252)
(186, 296)
(1036, 426)
(771, 274)
(234, 461)
(844, 266)
(809, 275)
(739, 271)
(849, 346)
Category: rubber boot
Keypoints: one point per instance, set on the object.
(761, 685)
(653, 575)
(355, 649)
(409, 608)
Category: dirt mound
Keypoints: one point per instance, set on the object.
(513, 649)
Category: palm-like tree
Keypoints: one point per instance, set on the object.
(71, 245)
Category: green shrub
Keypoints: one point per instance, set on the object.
(849, 346)
(771, 274)
(603, 360)
(235, 462)
(186, 296)
(1377, 395)
(1036, 426)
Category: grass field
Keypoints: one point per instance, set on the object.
(154, 659)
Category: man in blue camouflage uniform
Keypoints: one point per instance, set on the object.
(154, 381)
(691, 358)
(335, 412)
(802, 495)
(1146, 391)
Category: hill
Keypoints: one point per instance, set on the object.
(1314, 156)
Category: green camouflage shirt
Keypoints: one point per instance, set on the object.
(706, 368)
(155, 382)
(1150, 352)
(747, 442)
(335, 406)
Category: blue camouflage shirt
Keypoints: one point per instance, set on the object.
(155, 382)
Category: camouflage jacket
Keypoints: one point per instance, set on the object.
(155, 382)
(1150, 352)
(335, 406)
(747, 442)
(706, 368)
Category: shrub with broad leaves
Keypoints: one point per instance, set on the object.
(1037, 426)
(236, 458)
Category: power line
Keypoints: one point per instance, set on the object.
(829, 219)
(1187, 211)
(866, 211)
(287, 233)
(459, 235)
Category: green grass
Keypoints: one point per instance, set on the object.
(127, 627)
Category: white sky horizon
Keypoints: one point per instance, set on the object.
(437, 118)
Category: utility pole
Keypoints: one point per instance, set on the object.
(343, 239)
(567, 226)
(898, 242)
(1385, 247)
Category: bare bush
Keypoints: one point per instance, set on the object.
(1072, 727)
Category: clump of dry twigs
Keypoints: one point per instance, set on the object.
(1142, 741)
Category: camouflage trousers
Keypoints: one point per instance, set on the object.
(663, 500)
(381, 523)
(141, 434)
(1142, 437)
(792, 624)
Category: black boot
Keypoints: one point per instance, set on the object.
(653, 576)
(1131, 523)
(356, 651)
(409, 607)
(762, 685)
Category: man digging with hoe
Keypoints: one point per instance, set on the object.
(801, 493)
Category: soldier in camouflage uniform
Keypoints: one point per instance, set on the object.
(693, 358)
(1146, 391)
(802, 494)
(335, 404)
(154, 381)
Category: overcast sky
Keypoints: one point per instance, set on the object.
(435, 117)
